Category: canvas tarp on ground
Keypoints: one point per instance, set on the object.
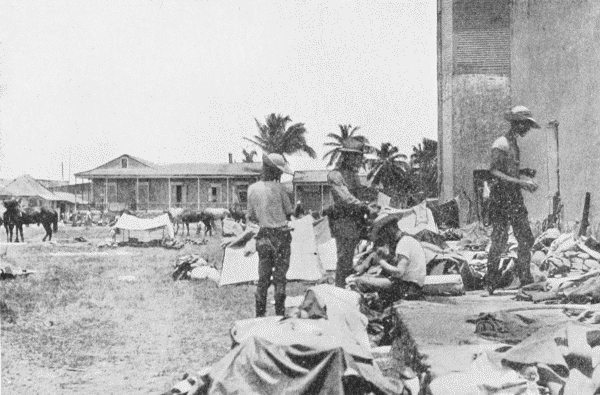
(129, 222)
(322, 354)
(326, 246)
(304, 260)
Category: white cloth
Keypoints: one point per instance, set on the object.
(129, 222)
(416, 270)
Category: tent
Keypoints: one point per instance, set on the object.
(305, 263)
(130, 222)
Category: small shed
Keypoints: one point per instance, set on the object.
(312, 189)
(32, 191)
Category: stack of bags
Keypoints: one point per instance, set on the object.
(193, 267)
(558, 254)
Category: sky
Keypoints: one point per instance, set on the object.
(82, 82)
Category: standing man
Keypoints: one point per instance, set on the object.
(506, 206)
(348, 215)
(269, 205)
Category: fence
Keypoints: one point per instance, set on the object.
(161, 206)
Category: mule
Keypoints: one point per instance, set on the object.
(216, 214)
(199, 217)
(175, 214)
(238, 215)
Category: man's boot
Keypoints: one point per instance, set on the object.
(261, 308)
(280, 305)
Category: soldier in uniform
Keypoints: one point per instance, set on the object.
(347, 218)
(269, 205)
(506, 206)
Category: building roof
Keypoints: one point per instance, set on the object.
(176, 169)
(5, 192)
(52, 183)
(311, 176)
(69, 197)
(319, 177)
(26, 186)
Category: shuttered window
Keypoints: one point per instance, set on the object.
(482, 37)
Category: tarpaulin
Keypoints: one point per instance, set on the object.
(304, 260)
(275, 355)
(129, 222)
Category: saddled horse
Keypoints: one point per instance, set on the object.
(199, 217)
(15, 217)
(175, 214)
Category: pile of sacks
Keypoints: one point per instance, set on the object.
(554, 360)
(193, 267)
(559, 254)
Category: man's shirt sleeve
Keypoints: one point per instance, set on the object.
(287, 204)
(499, 155)
(339, 188)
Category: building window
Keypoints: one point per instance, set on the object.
(214, 193)
(124, 163)
(242, 192)
(144, 194)
(178, 193)
(112, 192)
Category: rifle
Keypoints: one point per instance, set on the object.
(554, 218)
(585, 219)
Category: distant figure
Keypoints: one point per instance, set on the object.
(270, 207)
(299, 210)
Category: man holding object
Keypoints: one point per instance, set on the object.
(506, 202)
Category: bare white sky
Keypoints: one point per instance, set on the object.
(182, 81)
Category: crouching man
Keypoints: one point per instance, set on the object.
(270, 207)
(397, 268)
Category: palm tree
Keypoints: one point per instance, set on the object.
(346, 131)
(424, 167)
(274, 136)
(248, 156)
(391, 170)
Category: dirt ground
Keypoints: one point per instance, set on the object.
(78, 325)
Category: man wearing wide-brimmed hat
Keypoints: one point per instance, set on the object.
(506, 202)
(397, 268)
(269, 205)
(348, 210)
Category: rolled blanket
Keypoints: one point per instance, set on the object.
(587, 292)
(505, 327)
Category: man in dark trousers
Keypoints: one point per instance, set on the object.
(270, 207)
(506, 206)
(348, 214)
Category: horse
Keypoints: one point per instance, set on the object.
(12, 219)
(238, 214)
(175, 214)
(15, 217)
(216, 213)
(199, 217)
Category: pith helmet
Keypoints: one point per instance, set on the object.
(278, 161)
(382, 221)
(521, 113)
